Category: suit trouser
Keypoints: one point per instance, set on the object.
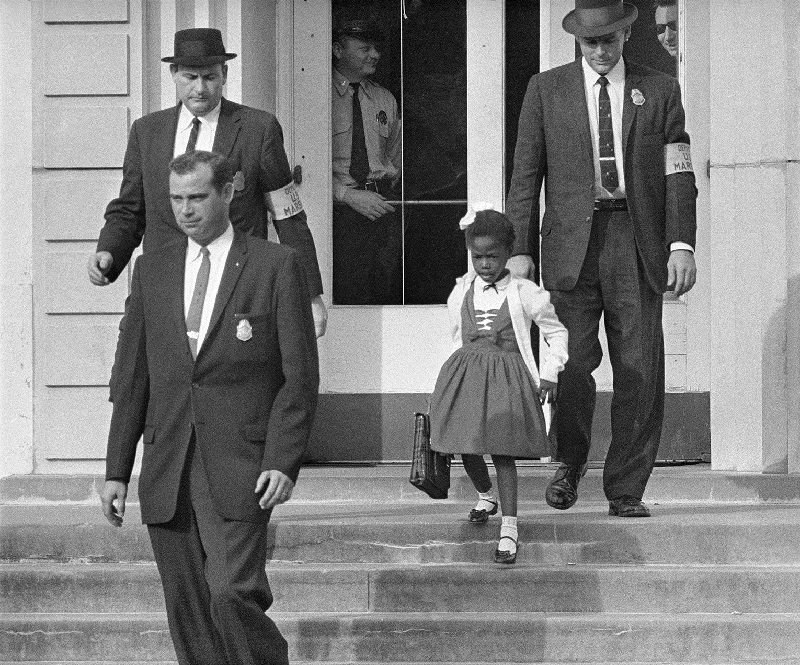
(612, 283)
(215, 586)
(367, 255)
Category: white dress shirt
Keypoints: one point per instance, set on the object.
(205, 137)
(489, 299)
(218, 253)
(616, 94)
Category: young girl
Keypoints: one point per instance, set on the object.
(489, 394)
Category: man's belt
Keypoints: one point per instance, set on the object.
(382, 187)
(611, 204)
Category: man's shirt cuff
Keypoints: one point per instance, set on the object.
(681, 245)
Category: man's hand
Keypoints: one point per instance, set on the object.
(370, 204)
(548, 391)
(279, 489)
(320, 313)
(681, 271)
(114, 492)
(521, 266)
(99, 265)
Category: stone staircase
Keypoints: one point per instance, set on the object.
(388, 576)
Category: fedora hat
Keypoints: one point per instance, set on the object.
(593, 18)
(198, 47)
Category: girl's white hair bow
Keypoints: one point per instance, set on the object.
(467, 219)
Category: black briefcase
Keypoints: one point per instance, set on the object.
(430, 471)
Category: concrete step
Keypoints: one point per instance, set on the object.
(432, 637)
(54, 588)
(389, 484)
(439, 533)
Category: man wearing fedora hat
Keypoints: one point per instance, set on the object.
(204, 120)
(608, 137)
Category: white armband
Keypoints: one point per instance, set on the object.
(284, 202)
(677, 158)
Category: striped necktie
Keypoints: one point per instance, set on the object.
(609, 177)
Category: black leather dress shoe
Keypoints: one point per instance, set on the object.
(562, 492)
(627, 506)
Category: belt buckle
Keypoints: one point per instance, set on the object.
(371, 186)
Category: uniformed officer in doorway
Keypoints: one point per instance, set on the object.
(366, 172)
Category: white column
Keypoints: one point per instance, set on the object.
(485, 108)
(168, 22)
(233, 44)
(755, 269)
(16, 239)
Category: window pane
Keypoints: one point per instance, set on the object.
(411, 256)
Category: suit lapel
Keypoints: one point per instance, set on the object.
(237, 257)
(230, 122)
(161, 155)
(576, 89)
(632, 80)
(173, 269)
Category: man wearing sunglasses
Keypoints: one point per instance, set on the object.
(666, 17)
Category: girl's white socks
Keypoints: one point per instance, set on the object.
(508, 535)
(486, 501)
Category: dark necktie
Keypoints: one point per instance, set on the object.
(193, 135)
(493, 285)
(198, 297)
(359, 162)
(608, 163)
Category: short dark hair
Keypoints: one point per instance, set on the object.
(221, 167)
(664, 3)
(491, 224)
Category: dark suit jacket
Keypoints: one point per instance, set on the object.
(251, 402)
(554, 144)
(250, 138)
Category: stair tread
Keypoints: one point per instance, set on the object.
(466, 617)
(45, 565)
(436, 513)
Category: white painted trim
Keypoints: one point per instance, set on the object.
(16, 239)
(284, 75)
(485, 101)
(168, 22)
(202, 13)
(682, 50)
(544, 35)
(233, 44)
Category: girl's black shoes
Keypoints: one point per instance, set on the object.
(482, 516)
(505, 556)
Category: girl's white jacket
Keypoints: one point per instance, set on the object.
(527, 302)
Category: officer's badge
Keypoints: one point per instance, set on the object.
(381, 117)
(637, 97)
(238, 181)
(244, 331)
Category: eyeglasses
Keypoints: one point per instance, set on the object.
(662, 27)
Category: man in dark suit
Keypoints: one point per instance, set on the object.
(203, 119)
(618, 230)
(216, 367)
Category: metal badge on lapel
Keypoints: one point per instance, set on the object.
(244, 331)
(637, 97)
(238, 181)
